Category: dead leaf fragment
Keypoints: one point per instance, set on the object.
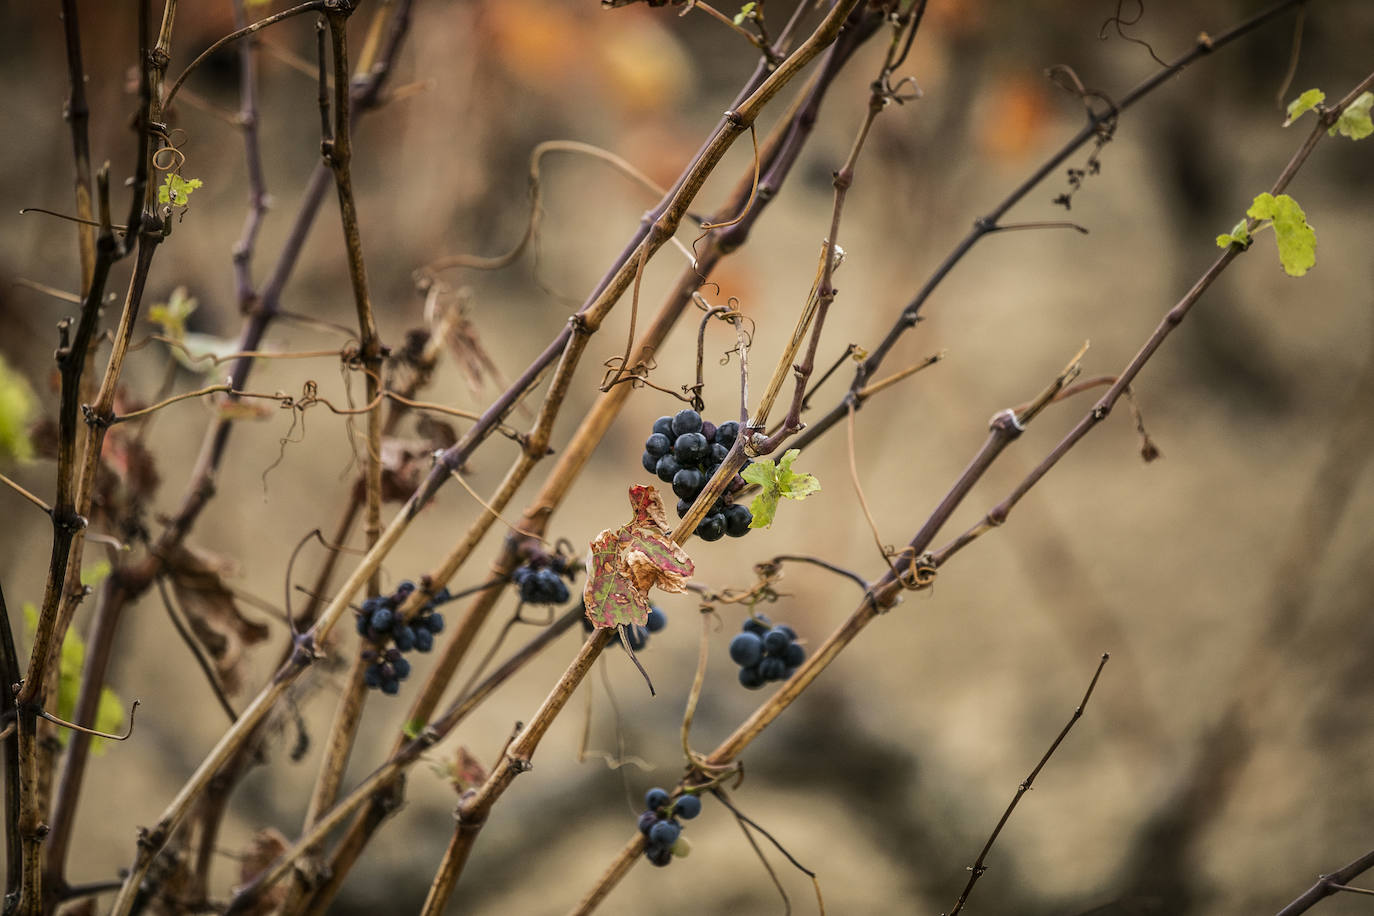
(212, 612)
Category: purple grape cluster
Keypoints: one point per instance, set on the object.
(540, 584)
(765, 653)
(685, 450)
(379, 622)
(662, 827)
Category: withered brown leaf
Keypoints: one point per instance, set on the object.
(264, 847)
(212, 612)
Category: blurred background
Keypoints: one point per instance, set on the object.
(1223, 762)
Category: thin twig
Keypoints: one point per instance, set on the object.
(910, 314)
(312, 5)
(979, 867)
(26, 494)
(191, 643)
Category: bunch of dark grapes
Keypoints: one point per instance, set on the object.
(379, 622)
(685, 451)
(660, 825)
(639, 636)
(540, 584)
(765, 653)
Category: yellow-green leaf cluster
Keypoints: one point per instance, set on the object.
(1296, 240)
(176, 190)
(16, 410)
(171, 315)
(778, 481)
(109, 714)
(1240, 235)
(1303, 104)
(1355, 121)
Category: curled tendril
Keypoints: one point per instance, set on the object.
(888, 91)
(699, 300)
(1063, 76)
(169, 158)
(914, 571)
(1120, 20)
(351, 356)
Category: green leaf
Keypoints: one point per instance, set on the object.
(625, 562)
(1303, 104)
(96, 573)
(109, 716)
(413, 729)
(176, 190)
(171, 315)
(1240, 235)
(778, 481)
(745, 12)
(109, 711)
(16, 409)
(1297, 241)
(1355, 121)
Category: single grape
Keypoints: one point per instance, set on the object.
(757, 624)
(362, 619)
(372, 677)
(667, 468)
(708, 429)
(382, 619)
(657, 619)
(434, 622)
(373, 603)
(775, 641)
(664, 426)
(682, 506)
(424, 640)
(655, 798)
(772, 669)
(404, 636)
(647, 821)
(726, 433)
(664, 833)
(402, 668)
(750, 677)
(746, 649)
(658, 445)
(687, 807)
(737, 521)
(712, 527)
(388, 672)
(686, 421)
(391, 687)
(558, 588)
(691, 448)
(687, 483)
(530, 588)
(658, 855)
(796, 654)
(649, 462)
(718, 453)
(791, 633)
(404, 589)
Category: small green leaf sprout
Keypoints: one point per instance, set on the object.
(778, 481)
